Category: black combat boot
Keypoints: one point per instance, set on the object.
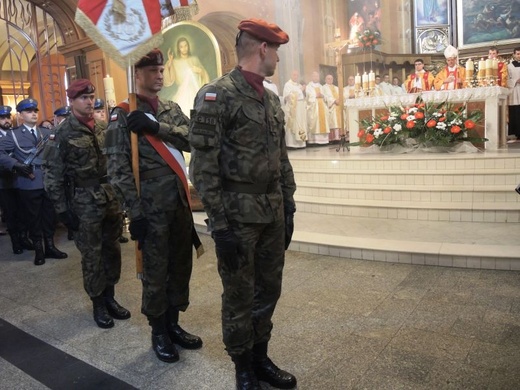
(25, 242)
(267, 371)
(178, 335)
(244, 374)
(114, 309)
(51, 252)
(15, 243)
(101, 316)
(161, 343)
(39, 255)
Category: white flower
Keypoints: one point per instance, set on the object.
(410, 118)
(397, 127)
(378, 132)
(392, 118)
(441, 126)
(412, 110)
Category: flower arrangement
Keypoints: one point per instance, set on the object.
(421, 124)
(368, 39)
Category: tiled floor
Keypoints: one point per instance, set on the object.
(340, 324)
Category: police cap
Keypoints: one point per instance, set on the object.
(27, 104)
(5, 111)
(62, 111)
(80, 87)
(263, 31)
(153, 58)
(99, 104)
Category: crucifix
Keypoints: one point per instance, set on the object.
(338, 45)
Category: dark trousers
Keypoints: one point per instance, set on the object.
(252, 290)
(39, 212)
(514, 120)
(11, 207)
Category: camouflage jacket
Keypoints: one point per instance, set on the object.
(158, 194)
(237, 137)
(73, 163)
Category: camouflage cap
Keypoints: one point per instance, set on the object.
(80, 87)
(266, 32)
(153, 58)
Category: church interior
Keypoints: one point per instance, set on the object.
(404, 269)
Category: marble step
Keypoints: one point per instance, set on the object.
(440, 243)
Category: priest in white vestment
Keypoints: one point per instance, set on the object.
(295, 112)
(317, 123)
(331, 93)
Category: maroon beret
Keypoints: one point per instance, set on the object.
(266, 32)
(153, 58)
(80, 87)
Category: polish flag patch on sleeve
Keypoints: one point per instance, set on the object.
(113, 117)
(210, 97)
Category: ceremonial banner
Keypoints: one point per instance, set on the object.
(124, 30)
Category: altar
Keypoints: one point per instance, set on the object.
(491, 100)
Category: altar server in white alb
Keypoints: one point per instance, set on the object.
(513, 83)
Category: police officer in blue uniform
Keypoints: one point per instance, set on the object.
(61, 114)
(19, 145)
(9, 202)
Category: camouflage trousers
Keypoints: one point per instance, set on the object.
(252, 291)
(97, 241)
(167, 261)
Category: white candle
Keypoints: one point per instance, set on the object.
(481, 68)
(371, 79)
(357, 81)
(110, 92)
(364, 80)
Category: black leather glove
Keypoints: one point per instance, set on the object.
(289, 228)
(226, 246)
(139, 123)
(138, 230)
(22, 169)
(69, 219)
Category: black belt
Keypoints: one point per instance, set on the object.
(156, 172)
(250, 188)
(90, 182)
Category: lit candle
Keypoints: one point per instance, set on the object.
(470, 69)
(481, 68)
(364, 80)
(357, 82)
(110, 92)
(489, 67)
(371, 80)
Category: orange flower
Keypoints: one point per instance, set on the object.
(375, 41)
(361, 133)
(387, 130)
(431, 123)
(410, 124)
(455, 129)
(384, 118)
(469, 124)
(419, 115)
(369, 138)
(404, 116)
(442, 119)
(376, 126)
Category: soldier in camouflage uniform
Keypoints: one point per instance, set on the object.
(239, 165)
(75, 179)
(160, 217)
